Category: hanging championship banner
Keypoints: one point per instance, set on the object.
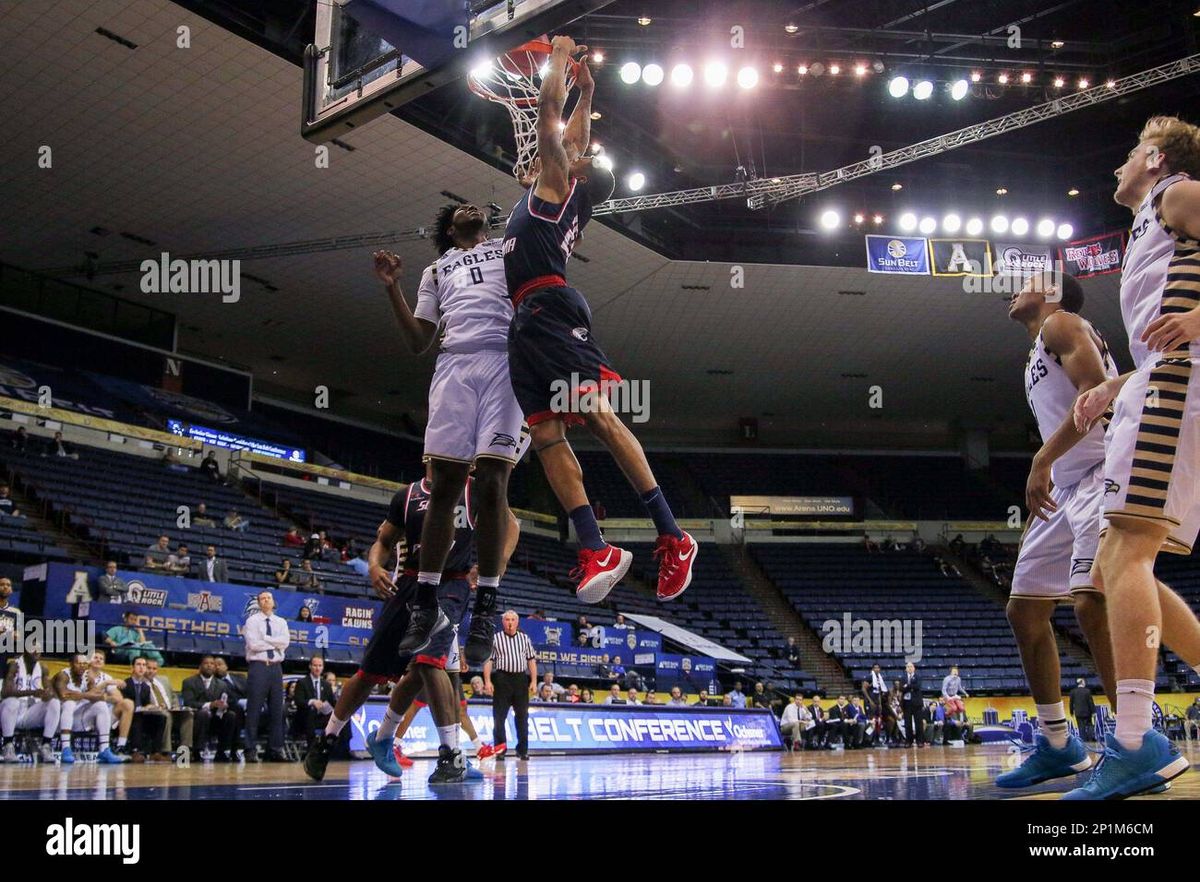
(1024, 260)
(960, 257)
(897, 254)
(1095, 256)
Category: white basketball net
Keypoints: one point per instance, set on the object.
(514, 80)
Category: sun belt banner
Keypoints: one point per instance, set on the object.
(1095, 256)
(897, 254)
(960, 257)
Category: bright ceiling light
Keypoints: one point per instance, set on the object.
(1065, 231)
(952, 223)
(652, 74)
(1027, 77)
(603, 161)
(1002, 79)
(1059, 82)
(1000, 224)
(777, 67)
(878, 219)
(976, 76)
(1045, 228)
(974, 226)
(681, 75)
(596, 57)
(1084, 83)
(802, 69)
(959, 90)
(1057, 44)
(1073, 192)
(481, 70)
(791, 27)
(747, 78)
(898, 87)
(1020, 226)
(908, 222)
(927, 225)
(859, 218)
(830, 219)
(896, 187)
(860, 70)
(636, 181)
(715, 73)
(1002, 191)
(923, 90)
(835, 69)
(631, 72)
(644, 20)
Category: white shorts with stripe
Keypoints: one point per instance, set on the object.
(1056, 555)
(472, 409)
(1152, 451)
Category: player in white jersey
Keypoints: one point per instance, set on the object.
(28, 702)
(1063, 493)
(83, 707)
(474, 418)
(122, 707)
(1152, 450)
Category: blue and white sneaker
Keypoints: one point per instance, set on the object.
(382, 753)
(1125, 773)
(1046, 762)
(107, 757)
(66, 756)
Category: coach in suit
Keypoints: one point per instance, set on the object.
(510, 676)
(314, 700)
(1083, 709)
(212, 568)
(213, 708)
(267, 640)
(150, 716)
(111, 586)
(912, 704)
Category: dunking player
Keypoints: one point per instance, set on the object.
(551, 349)
(1063, 492)
(474, 419)
(1152, 450)
(383, 662)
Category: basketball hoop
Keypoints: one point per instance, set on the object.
(514, 80)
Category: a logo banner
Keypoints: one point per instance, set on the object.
(609, 639)
(1024, 260)
(578, 728)
(960, 257)
(897, 254)
(1095, 256)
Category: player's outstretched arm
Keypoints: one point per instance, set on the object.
(579, 127)
(553, 182)
(1181, 212)
(417, 333)
(1069, 337)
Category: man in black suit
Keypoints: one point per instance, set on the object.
(215, 709)
(837, 719)
(820, 724)
(1083, 709)
(150, 717)
(238, 689)
(314, 701)
(913, 705)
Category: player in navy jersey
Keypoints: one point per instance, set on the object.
(551, 347)
(384, 662)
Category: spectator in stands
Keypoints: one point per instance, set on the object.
(792, 652)
(208, 696)
(477, 687)
(957, 544)
(912, 703)
(293, 539)
(359, 565)
(212, 568)
(1083, 709)
(889, 545)
(201, 518)
(180, 718)
(7, 505)
(604, 669)
(150, 717)
(179, 562)
(110, 586)
(614, 695)
(314, 700)
(651, 697)
(210, 468)
(952, 686)
(234, 521)
(59, 447)
(617, 670)
(307, 579)
(304, 615)
(19, 440)
(284, 576)
(546, 693)
(313, 550)
(726, 700)
(677, 699)
(127, 641)
(586, 697)
(634, 680)
(1191, 722)
(539, 615)
(572, 694)
(737, 697)
(583, 630)
(797, 721)
(989, 545)
(548, 680)
(326, 544)
(620, 624)
(760, 698)
(632, 697)
(158, 554)
(702, 698)
(917, 545)
(871, 546)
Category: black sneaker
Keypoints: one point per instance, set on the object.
(479, 639)
(422, 625)
(452, 768)
(316, 758)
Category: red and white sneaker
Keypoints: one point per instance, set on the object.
(405, 762)
(600, 571)
(485, 750)
(675, 559)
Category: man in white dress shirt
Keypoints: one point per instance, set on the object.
(267, 639)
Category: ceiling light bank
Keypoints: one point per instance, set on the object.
(953, 223)
(719, 73)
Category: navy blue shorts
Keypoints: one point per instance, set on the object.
(381, 661)
(550, 351)
(452, 597)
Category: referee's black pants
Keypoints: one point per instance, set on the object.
(510, 691)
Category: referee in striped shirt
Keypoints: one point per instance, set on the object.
(510, 676)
